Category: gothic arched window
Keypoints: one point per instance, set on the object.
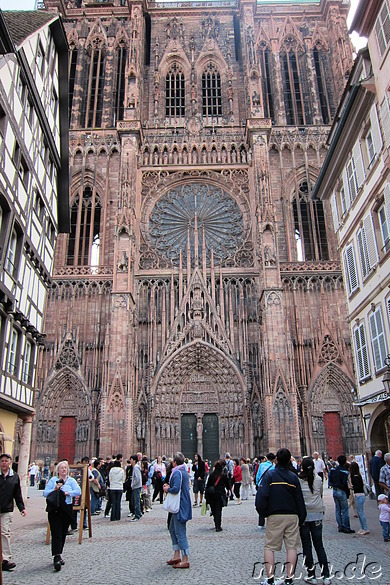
(265, 63)
(174, 93)
(84, 237)
(309, 226)
(119, 95)
(94, 86)
(293, 97)
(211, 93)
(321, 85)
(72, 75)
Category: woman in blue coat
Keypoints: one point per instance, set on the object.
(60, 517)
(179, 480)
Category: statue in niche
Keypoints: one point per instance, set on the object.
(243, 156)
(255, 99)
(269, 256)
(224, 156)
(234, 156)
(146, 157)
(123, 264)
(155, 157)
(157, 429)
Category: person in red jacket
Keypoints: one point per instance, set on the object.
(237, 478)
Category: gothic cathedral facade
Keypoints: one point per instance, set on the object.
(197, 303)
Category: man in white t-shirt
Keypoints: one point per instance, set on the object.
(319, 466)
(33, 471)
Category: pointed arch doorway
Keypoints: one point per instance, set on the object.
(199, 404)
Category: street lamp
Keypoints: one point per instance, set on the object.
(386, 376)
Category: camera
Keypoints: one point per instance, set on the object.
(60, 481)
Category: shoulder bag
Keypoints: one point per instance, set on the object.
(172, 501)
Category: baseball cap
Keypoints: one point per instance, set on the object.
(381, 497)
(5, 455)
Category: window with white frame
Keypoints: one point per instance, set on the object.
(26, 363)
(343, 201)
(352, 179)
(362, 358)
(12, 352)
(370, 148)
(335, 212)
(374, 137)
(378, 339)
(384, 218)
(367, 246)
(363, 252)
(382, 28)
(385, 117)
(350, 269)
(384, 225)
(10, 263)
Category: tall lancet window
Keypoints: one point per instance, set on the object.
(309, 226)
(175, 93)
(120, 86)
(318, 57)
(293, 97)
(84, 237)
(72, 75)
(211, 93)
(266, 85)
(95, 85)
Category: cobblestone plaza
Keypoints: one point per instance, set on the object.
(123, 553)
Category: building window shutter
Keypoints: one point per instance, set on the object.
(350, 269)
(357, 157)
(363, 252)
(335, 214)
(387, 202)
(378, 339)
(376, 131)
(385, 117)
(352, 179)
(347, 196)
(363, 362)
(371, 241)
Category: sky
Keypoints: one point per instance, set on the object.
(29, 5)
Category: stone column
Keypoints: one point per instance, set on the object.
(24, 454)
(199, 434)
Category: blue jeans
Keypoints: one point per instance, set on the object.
(311, 532)
(385, 529)
(94, 501)
(136, 501)
(178, 534)
(359, 500)
(341, 505)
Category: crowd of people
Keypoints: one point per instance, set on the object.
(289, 499)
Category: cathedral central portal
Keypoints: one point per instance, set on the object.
(199, 404)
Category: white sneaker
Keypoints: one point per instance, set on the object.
(130, 515)
(311, 580)
(326, 581)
